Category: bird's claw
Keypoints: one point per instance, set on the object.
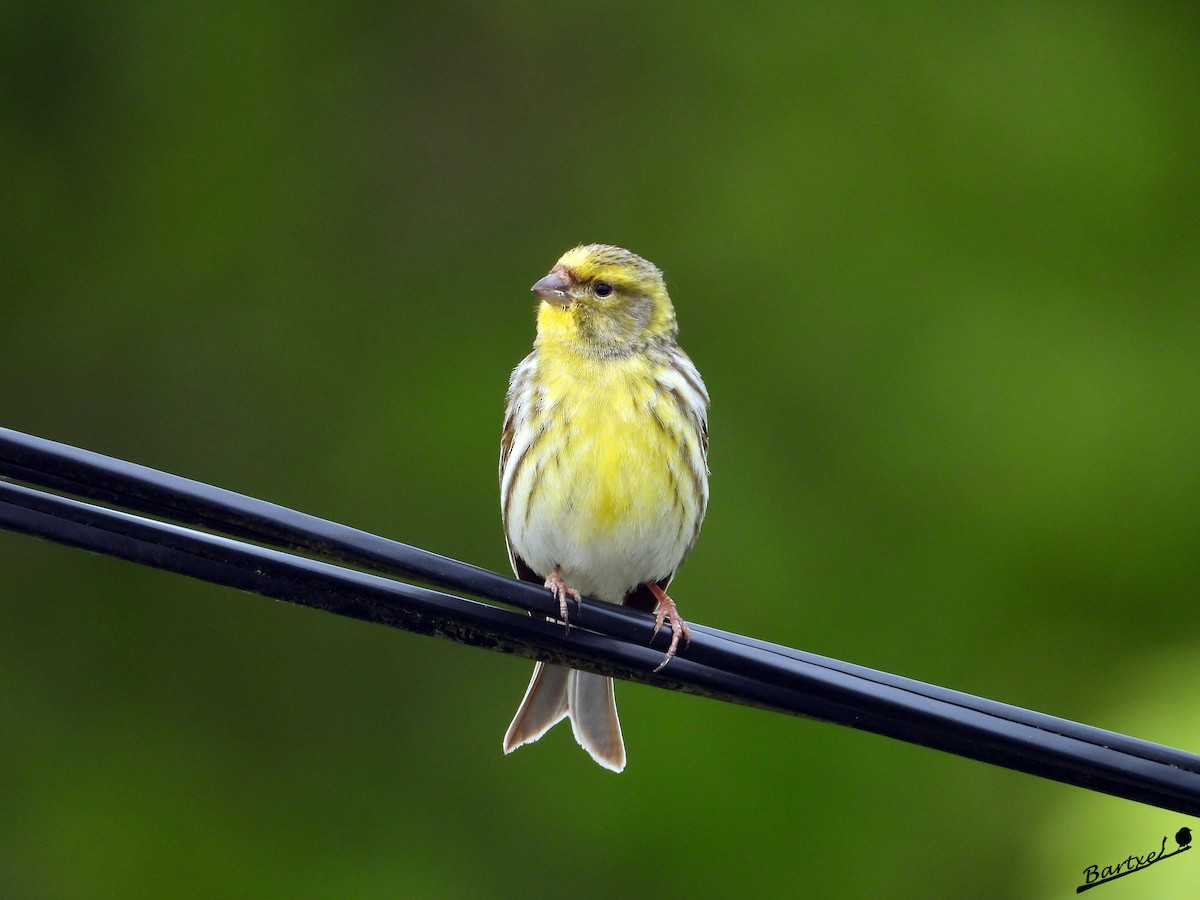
(560, 591)
(666, 611)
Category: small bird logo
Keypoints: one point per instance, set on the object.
(1183, 837)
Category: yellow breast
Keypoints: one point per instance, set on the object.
(612, 502)
(613, 467)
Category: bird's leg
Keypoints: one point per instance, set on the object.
(665, 611)
(560, 591)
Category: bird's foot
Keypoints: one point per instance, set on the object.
(665, 611)
(560, 590)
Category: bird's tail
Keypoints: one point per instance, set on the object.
(585, 698)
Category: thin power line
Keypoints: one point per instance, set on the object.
(87, 500)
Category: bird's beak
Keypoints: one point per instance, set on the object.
(553, 289)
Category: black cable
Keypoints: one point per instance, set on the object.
(716, 664)
(87, 474)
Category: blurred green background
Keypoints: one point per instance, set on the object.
(937, 262)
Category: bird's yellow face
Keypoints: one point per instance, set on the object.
(604, 301)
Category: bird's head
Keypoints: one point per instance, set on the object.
(604, 301)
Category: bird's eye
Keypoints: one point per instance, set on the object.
(602, 288)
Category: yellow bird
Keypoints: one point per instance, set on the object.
(603, 472)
